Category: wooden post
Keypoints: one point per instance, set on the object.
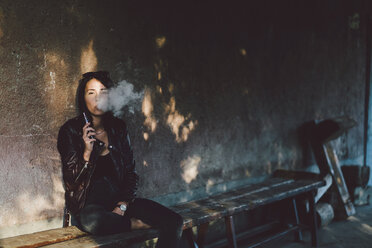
(201, 234)
(313, 221)
(298, 234)
(190, 238)
(230, 231)
(66, 218)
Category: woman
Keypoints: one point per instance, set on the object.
(99, 171)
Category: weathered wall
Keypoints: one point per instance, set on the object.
(226, 88)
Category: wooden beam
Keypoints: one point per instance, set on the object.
(230, 231)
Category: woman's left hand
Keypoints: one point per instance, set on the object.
(118, 211)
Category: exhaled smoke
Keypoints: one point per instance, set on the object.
(118, 97)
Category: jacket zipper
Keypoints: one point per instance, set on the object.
(81, 172)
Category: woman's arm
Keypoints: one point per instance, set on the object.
(74, 167)
(130, 183)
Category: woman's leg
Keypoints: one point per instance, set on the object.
(97, 220)
(159, 217)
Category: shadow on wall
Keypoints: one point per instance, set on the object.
(210, 113)
(42, 69)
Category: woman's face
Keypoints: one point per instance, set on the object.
(93, 90)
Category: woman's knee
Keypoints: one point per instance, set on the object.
(175, 221)
(91, 223)
(91, 219)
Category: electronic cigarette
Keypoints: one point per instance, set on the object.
(87, 121)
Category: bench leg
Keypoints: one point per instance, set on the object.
(190, 238)
(230, 231)
(313, 221)
(298, 234)
(201, 234)
(66, 218)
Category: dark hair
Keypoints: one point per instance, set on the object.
(102, 76)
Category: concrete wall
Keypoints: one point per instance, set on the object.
(226, 87)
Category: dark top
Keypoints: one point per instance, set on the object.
(104, 167)
(77, 173)
(104, 187)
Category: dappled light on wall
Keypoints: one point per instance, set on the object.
(160, 67)
(147, 109)
(1, 23)
(38, 205)
(56, 92)
(29, 205)
(53, 64)
(189, 167)
(209, 185)
(88, 60)
(269, 168)
(160, 41)
(180, 125)
(243, 52)
(159, 89)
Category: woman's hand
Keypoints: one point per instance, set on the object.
(134, 223)
(138, 224)
(118, 211)
(87, 133)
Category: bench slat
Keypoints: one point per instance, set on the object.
(115, 240)
(237, 193)
(215, 207)
(194, 213)
(42, 238)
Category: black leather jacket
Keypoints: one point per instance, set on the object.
(77, 173)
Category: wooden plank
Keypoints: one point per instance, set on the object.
(115, 240)
(42, 238)
(206, 210)
(345, 208)
(194, 213)
(246, 192)
(237, 193)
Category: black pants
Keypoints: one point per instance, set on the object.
(97, 220)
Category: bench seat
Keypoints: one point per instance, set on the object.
(195, 213)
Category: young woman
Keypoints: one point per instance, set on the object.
(99, 171)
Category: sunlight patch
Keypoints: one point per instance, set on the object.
(190, 168)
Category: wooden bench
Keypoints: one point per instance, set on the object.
(196, 213)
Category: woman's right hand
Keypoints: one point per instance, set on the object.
(88, 132)
(138, 224)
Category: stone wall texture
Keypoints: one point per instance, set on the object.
(226, 87)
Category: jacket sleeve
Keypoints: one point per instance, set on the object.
(130, 183)
(74, 168)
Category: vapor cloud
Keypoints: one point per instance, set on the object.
(119, 97)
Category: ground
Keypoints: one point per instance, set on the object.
(355, 232)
